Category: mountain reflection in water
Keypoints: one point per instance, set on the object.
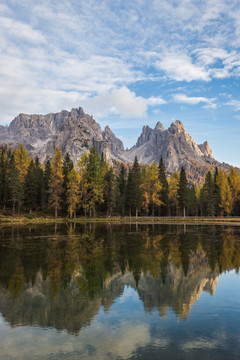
(61, 277)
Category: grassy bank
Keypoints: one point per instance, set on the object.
(36, 219)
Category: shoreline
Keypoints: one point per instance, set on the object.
(38, 220)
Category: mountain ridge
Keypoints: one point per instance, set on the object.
(75, 132)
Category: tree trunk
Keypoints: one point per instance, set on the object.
(56, 212)
(184, 212)
(136, 212)
(153, 210)
(94, 212)
(75, 214)
(30, 211)
(13, 208)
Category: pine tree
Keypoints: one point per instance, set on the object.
(109, 191)
(22, 161)
(208, 189)
(67, 167)
(234, 180)
(56, 182)
(15, 186)
(164, 192)
(217, 195)
(121, 190)
(192, 201)
(31, 187)
(73, 191)
(46, 181)
(182, 191)
(4, 176)
(134, 191)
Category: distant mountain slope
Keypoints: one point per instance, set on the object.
(75, 132)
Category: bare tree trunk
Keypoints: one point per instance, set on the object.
(184, 212)
(153, 210)
(56, 212)
(136, 212)
(75, 214)
(13, 208)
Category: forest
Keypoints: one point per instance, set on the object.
(94, 188)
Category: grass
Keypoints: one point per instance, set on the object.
(41, 219)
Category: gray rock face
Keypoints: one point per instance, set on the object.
(74, 132)
(175, 145)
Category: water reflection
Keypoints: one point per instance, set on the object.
(62, 277)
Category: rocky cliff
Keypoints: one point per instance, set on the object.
(175, 145)
(75, 132)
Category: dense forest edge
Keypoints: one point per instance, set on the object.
(95, 191)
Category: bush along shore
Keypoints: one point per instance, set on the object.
(95, 189)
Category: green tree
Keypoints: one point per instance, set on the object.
(31, 187)
(226, 204)
(182, 191)
(173, 193)
(56, 182)
(121, 190)
(46, 181)
(134, 191)
(164, 192)
(67, 167)
(208, 190)
(15, 186)
(110, 191)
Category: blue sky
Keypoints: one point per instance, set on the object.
(127, 63)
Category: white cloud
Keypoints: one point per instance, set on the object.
(235, 104)
(182, 98)
(153, 101)
(179, 67)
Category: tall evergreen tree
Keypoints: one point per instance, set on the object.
(173, 193)
(192, 201)
(182, 191)
(67, 167)
(56, 182)
(121, 190)
(208, 189)
(4, 176)
(164, 192)
(31, 187)
(109, 191)
(217, 194)
(134, 191)
(15, 186)
(46, 181)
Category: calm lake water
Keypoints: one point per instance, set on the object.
(120, 292)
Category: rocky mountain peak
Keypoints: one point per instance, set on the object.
(177, 126)
(159, 126)
(205, 149)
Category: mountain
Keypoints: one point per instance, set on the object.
(75, 132)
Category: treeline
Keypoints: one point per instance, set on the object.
(93, 186)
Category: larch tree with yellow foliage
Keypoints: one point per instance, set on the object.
(56, 182)
(151, 187)
(226, 203)
(22, 161)
(73, 191)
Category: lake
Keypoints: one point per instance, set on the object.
(129, 291)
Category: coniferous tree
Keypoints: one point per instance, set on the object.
(208, 190)
(56, 182)
(4, 176)
(31, 187)
(73, 192)
(22, 161)
(67, 167)
(173, 193)
(109, 191)
(134, 191)
(226, 204)
(192, 201)
(182, 191)
(46, 181)
(94, 174)
(15, 186)
(151, 187)
(217, 195)
(164, 192)
(121, 190)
